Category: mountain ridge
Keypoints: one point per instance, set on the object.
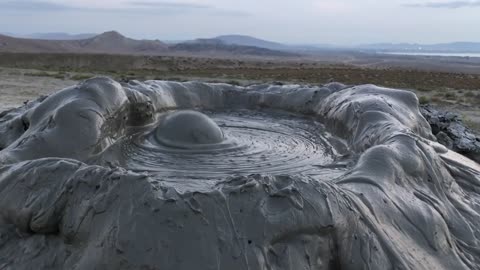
(112, 42)
(214, 45)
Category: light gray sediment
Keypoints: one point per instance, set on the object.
(341, 178)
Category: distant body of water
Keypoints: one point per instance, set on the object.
(435, 54)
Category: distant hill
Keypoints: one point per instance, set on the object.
(7, 34)
(114, 43)
(251, 41)
(218, 46)
(261, 43)
(454, 47)
(458, 47)
(50, 36)
(59, 36)
(12, 44)
(109, 42)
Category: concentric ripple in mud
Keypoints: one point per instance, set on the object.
(255, 142)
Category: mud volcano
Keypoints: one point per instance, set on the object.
(166, 175)
(212, 146)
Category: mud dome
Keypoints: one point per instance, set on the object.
(166, 175)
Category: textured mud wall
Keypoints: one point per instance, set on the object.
(401, 200)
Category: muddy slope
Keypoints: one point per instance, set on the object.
(400, 201)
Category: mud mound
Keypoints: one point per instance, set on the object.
(109, 176)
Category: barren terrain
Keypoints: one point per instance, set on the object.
(18, 86)
(453, 86)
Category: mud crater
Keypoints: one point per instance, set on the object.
(235, 142)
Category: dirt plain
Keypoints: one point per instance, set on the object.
(27, 76)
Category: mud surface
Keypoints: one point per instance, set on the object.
(254, 141)
(260, 177)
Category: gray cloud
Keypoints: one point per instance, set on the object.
(33, 5)
(186, 7)
(170, 5)
(230, 13)
(143, 7)
(450, 4)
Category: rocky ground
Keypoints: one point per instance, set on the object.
(451, 131)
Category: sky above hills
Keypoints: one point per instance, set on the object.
(343, 22)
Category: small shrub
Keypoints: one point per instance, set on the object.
(450, 95)
(423, 100)
(175, 79)
(435, 99)
(233, 82)
(81, 77)
(469, 94)
(59, 76)
(470, 123)
(38, 74)
(423, 89)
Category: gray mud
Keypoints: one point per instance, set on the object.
(99, 176)
(253, 141)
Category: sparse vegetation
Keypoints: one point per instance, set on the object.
(470, 94)
(471, 124)
(39, 74)
(81, 77)
(423, 100)
(255, 70)
(176, 79)
(422, 89)
(59, 76)
(56, 75)
(437, 88)
(234, 82)
(450, 95)
(435, 99)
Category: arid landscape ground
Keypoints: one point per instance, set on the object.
(454, 87)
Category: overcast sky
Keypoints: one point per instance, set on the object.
(343, 22)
